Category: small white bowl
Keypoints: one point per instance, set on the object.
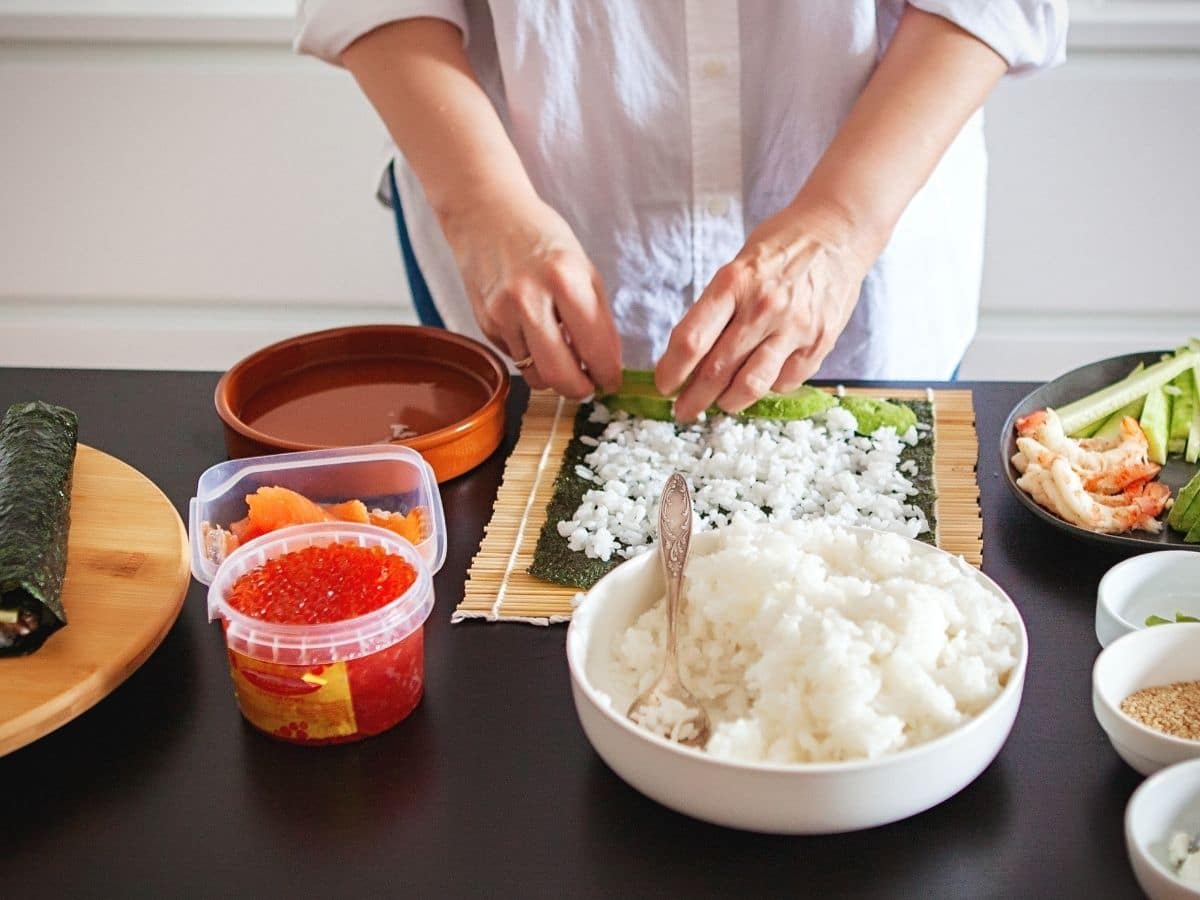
(1161, 583)
(802, 798)
(1161, 655)
(1164, 804)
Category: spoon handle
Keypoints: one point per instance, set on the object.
(674, 541)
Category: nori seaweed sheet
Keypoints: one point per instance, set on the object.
(37, 452)
(553, 561)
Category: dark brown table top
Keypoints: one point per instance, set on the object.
(490, 788)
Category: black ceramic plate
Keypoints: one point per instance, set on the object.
(1079, 383)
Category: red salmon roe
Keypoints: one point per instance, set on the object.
(317, 585)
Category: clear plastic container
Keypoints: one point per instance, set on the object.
(390, 477)
(331, 682)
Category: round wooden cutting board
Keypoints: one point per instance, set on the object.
(127, 574)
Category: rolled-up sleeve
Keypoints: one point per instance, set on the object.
(1028, 34)
(327, 27)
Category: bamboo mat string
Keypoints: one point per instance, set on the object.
(543, 460)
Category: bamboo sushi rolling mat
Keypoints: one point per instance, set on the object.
(499, 589)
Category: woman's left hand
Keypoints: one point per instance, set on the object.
(768, 318)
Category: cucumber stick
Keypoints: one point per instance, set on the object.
(1156, 422)
(1191, 452)
(1111, 425)
(1105, 402)
(1091, 430)
(1181, 411)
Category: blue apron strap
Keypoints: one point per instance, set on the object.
(427, 313)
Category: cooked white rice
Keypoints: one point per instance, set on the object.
(758, 469)
(807, 643)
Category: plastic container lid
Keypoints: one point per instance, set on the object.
(385, 476)
(333, 641)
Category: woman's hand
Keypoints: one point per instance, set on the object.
(536, 294)
(533, 289)
(769, 317)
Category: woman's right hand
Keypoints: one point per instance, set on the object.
(536, 294)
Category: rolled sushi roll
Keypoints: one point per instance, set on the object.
(37, 453)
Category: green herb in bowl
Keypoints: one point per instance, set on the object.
(1179, 617)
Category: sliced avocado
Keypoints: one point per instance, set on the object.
(638, 381)
(1193, 534)
(648, 406)
(1182, 512)
(637, 376)
(639, 397)
(802, 403)
(873, 414)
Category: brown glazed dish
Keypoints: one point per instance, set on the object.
(440, 393)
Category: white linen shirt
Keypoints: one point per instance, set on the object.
(664, 130)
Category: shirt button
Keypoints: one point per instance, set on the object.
(714, 68)
(718, 206)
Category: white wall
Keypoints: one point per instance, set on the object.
(182, 192)
(1093, 195)
(178, 189)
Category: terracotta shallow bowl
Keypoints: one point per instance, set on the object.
(440, 393)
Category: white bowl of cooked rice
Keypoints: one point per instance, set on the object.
(853, 677)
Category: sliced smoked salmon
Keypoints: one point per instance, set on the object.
(273, 507)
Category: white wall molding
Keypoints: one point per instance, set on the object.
(127, 21)
(212, 335)
(166, 334)
(132, 29)
(1095, 24)
(154, 21)
(1134, 25)
(1038, 346)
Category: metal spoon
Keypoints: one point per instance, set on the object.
(674, 539)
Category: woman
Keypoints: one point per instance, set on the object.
(742, 195)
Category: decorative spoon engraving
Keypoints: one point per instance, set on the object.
(674, 542)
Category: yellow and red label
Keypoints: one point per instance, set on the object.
(296, 703)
